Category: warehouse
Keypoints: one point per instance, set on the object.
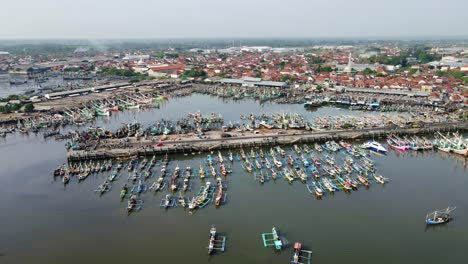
(253, 82)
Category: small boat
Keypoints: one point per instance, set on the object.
(192, 204)
(66, 179)
(134, 204)
(113, 176)
(182, 201)
(374, 146)
(167, 201)
(315, 189)
(439, 216)
(397, 144)
(123, 192)
(379, 179)
(301, 256)
(212, 239)
(219, 196)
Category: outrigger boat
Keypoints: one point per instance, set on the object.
(103, 188)
(168, 201)
(439, 216)
(215, 241)
(182, 201)
(201, 172)
(134, 204)
(139, 188)
(315, 189)
(113, 176)
(158, 185)
(379, 178)
(301, 256)
(272, 239)
(123, 192)
(220, 196)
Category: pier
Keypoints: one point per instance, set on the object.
(147, 148)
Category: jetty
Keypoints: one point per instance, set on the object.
(148, 147)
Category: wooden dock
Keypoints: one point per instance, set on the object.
(195, 146)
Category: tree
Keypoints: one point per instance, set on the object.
(324, 68)
(28, 108)
(368, 71)
(193, 73)
(12, 97)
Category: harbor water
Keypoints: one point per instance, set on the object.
(44, 221)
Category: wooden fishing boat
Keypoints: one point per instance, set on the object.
(174, 184)
(215, 241)
(182, 201)
(379, 178)
(397, 144)
(201, 172)
(272, 239)
(301, 256)
(219, 195)
(134, 204)
(363, 181)
(186, 185)
(123, 192)
(167, 202)
(439, 216)
(65, 179)
(103, 188)
(315, 189)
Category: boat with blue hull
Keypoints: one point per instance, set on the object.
(439, 216)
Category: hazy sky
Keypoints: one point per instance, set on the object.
(231, 18)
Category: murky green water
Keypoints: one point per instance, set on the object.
(44, 222)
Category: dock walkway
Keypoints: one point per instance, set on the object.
(147, 148)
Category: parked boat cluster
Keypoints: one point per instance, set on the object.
(325, 168)
(212, 173)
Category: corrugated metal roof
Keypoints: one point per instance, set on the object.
(254, 81)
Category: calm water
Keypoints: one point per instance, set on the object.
(44, 222)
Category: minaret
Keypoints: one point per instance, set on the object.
(349, 67)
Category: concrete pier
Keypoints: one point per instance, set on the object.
(147, 148)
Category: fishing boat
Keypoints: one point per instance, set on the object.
(315, 189)
(123, 192)
(374, 146)
(397, 144)
(113, 176)
(318, 147)
(182, 201)
(167, 201)
(174, 184)
(186, 185)
(158, 185)
(134, 204)
(301, 256)
(379, 178)
(65, 179)
(277, 163)
(272, 239)
(192, 204)
(439, 216)
(215, 241)
(363, 181)
(103, 188)
(219, 195)
(201, 172)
